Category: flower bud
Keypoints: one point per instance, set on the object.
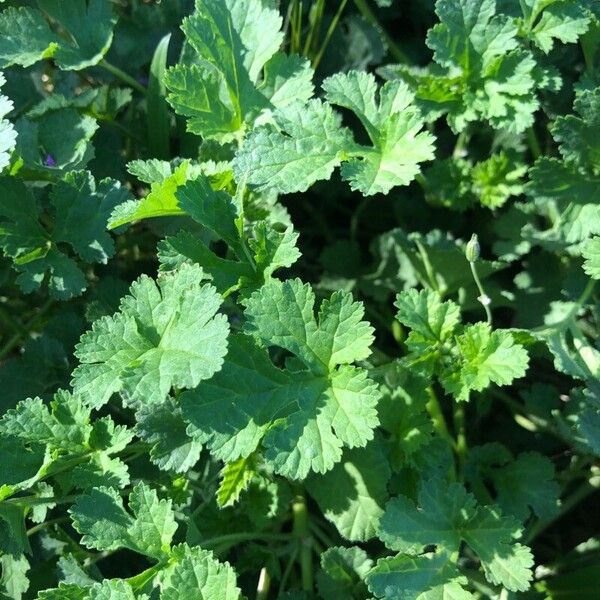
(472, 249)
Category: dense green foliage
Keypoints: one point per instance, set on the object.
(298, 299)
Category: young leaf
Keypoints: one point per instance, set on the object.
(165, 335)
(147, 528)
(485, 357)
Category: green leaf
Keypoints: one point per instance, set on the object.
(13, 538)
(446, 516)
(195, 573)
(8, 135)
(303, 415)
(564, 20)
(112, 590)
(64, 426)
(147, 527)
(165, 335)
(213, 209)
(563, 188)
(353, 494)
(528, 482)
(484, 357)
(483, 73)
(235, 478)
(161, 201)
(431, 320)
(310, 141)
(56, 142)
(90, 28)
(577, 134)
(394, 126)
(342, 573)
(282, 314)
(591, 254)
(307, 148)
(162, 426)
(424, 577)
(27, 38)
(219, 92)
(14, 579)
(80, 212)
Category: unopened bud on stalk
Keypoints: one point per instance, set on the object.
(472, 250)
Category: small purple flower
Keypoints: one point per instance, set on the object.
(49, 161)
(143, 80)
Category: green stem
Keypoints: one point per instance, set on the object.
(330, 30)
(124, 77)
(437, 416)
(40, 501)
(484, 299)
(287, 570)
(369, 15)
(578, 495)
(137, 582)
(534, 144)
(459, 147)
(13, 342)
(428, 267)
(301, 530)
(45, 524)
(460, 447)
(234, 538)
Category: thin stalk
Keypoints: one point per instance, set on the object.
(33, 530)
(437, 416)
(578, 495)
(40, 501)
(301, 530)
(428, 267)
(330, 30)
(316, 19)
(534, 143)
(460, 433)
(14, 340)
(245, 536)
(124, 77)
(287, 570)
(369, 15)
(484, 299)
